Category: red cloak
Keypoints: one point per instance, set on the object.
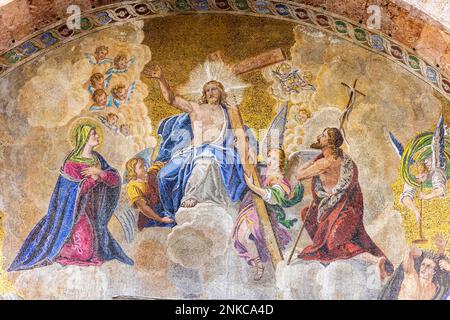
(335, 223)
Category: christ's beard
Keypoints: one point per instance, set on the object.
(213, 100)
(317, 145)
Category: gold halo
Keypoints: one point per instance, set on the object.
(85, 121)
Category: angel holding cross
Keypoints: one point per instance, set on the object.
(249, 239)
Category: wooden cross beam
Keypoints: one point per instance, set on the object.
(251, 64)
(352, 92)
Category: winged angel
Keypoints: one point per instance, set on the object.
(424, 166)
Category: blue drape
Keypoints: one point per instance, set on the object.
(46, 239)
(176, 134)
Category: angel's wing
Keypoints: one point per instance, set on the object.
(275, 133)
(90, 57)
(309, 87)
(102, 119)
(131, 89)
(398, 147)
(294, 73)
(127, 216)
(276, 74)
(147, 155)
(130, 62)
(438, 147)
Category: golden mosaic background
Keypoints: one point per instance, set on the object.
(435, 215)
(178, 50)
(178, 44)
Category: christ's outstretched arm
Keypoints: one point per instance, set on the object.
(155, 72)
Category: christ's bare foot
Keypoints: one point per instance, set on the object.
(189, 203)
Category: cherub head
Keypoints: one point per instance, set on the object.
(119, 92)
(112, 119)
(420, 171)
(303, 115)
(284, 68)
(125, 129)
(100, 97)
(136, 169)
(121, 62)
(101, 52)
(276, 162)
(213, 93)
(97, 80)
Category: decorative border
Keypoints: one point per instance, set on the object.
(107, 16)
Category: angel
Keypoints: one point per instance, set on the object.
(125, 129)
(248, 236)
(292, 81)
(139, 205)
(100, 57)
(424, 165)
(143, 193)
(122, 93)
(121, 65)
(110, 121)
(97, 81)
(101, 100)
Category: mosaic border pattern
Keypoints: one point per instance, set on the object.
(106, 16)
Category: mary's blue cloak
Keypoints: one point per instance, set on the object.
(45, 241)
(176, 134)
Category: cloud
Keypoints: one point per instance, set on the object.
(340, 280)
(202, 233)
(40, 101)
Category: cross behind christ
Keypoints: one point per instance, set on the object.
(245, 66)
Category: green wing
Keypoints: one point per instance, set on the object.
(419, 150)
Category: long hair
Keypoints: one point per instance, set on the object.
(131, 168)
(336, 141)
(281, 158)
(223, 94)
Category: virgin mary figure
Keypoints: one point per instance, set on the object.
(74, 231)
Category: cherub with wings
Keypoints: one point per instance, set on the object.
(292, 81)
(122, 94)
(139, 205)
(424, 166)
(100, 57)
(121, 65)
